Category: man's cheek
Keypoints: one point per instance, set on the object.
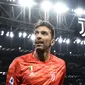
(47, 43)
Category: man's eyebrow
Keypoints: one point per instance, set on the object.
(36, 31)
(44, 31)
(41, 31)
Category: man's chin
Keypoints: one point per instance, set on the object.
(39, 49)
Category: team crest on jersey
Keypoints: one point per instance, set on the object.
(52, 76)
(11, 81)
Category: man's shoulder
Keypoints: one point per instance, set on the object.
(23, 57)
(58, 60)
(20, 59)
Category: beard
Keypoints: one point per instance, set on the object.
(41, 50)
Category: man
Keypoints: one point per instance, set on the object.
(39, 67)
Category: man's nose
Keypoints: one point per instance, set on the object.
(39, 36)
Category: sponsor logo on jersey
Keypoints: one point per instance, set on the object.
(31, 73)
(11, 81)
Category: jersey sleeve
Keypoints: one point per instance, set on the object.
(12, 74)
(63, 73)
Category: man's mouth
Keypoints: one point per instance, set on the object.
(39, 42)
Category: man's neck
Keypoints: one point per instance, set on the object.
(42, 55)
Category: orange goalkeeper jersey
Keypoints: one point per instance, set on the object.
(27, 70)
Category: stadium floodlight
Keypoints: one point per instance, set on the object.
(0, 46)
(29, 36)
(74, 41)
(20, 34)
(70, 52)
(19, 48)
(32, 37)
(7, 34)
(27, 3)
(24, 34)
(72, 10)
(9, 0)
(60, 40)
(54, 51)
(56, 39)
(84, 12)
(13, 0)
(67, 41)
(64, 40)
(60, 8)
(46, 5)
(79, 11)
(78, 41)
(82, 43)
(11, 34)
(83, 35)
(2, 33)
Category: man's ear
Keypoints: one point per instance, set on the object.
(52, 42)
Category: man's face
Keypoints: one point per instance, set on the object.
(43, 38)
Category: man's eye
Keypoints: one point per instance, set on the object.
(35, 33)
(44, 33)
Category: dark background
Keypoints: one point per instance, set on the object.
(66, 26)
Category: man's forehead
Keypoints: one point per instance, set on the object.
(43, 28)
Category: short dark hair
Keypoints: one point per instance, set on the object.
(47, 24)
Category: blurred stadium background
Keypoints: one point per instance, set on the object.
(17, 19)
